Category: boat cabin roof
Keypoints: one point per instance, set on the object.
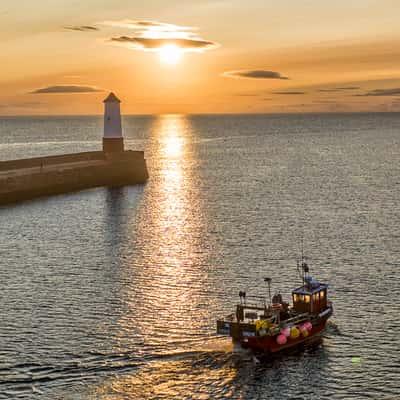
(310, 289)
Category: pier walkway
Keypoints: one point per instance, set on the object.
(45, 176)
(49, 168)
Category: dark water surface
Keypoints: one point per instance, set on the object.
(113, 293)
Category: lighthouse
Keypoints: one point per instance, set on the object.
(113, 141)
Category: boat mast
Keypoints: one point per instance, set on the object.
(268, 280)
(302, 259)
(302, 264)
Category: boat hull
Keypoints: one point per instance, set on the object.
(268, 344)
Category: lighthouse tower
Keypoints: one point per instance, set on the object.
(113, 141)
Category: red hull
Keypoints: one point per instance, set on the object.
(267, 344)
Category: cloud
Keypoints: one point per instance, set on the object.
(349, 88)
(82, 28)
(147, 25)
(67, 89)
(338, 89)
(381, 92)
(254, 74)
(328, 90)
(290, 93)
(153, 35)
(146, 43)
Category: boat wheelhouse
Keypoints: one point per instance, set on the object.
(310, 298)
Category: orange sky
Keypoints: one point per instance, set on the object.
(199, 56)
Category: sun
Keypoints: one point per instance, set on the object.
(170, 54)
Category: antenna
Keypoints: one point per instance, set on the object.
(298, 269)
(302, 264)
(268, 280)
(302, 248)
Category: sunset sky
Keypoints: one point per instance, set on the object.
(199, 56)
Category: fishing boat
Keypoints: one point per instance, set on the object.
(269, 326)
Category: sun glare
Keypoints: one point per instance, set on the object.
(170, 54)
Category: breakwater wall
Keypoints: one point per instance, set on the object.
(45, 176)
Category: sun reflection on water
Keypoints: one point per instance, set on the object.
(173, 183)
(172, 135)
(166, 295)
(166, 277)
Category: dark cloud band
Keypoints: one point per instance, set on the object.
(338, 89)
(255, 74)
(83, 28)
(67, 89)
(144, 43)
(381, 92)
(291, 93)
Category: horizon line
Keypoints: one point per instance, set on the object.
(199, 114)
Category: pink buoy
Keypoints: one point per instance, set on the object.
(285, 332)
(308, 325)
(303, 328)
(281, 339)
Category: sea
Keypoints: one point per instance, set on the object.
(114, 293)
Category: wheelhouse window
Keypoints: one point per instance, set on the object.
(302, 298)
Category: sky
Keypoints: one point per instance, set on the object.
(62, 57)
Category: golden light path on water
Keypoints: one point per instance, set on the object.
(166, 312)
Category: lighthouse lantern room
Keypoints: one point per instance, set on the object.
(113, 141)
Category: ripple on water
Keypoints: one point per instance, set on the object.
(110, 294)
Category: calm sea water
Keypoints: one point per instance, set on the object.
(114, 293)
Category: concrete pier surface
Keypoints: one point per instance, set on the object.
(44, 176)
